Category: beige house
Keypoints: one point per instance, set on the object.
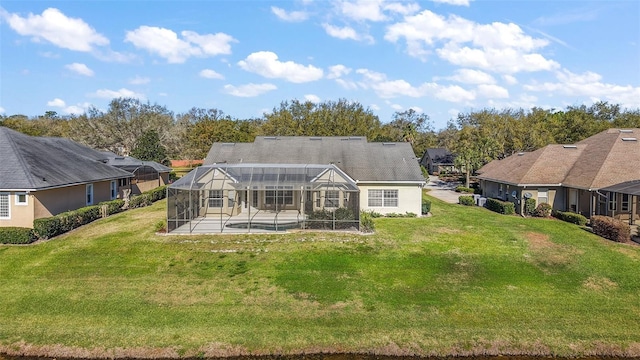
(300, 179)
(592, 177)
(41, 177)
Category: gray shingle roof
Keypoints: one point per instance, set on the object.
(129, 163)
(34, 163)
(361, 160)
(439, 156)
(607, 158)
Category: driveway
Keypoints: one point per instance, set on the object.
(443, 190)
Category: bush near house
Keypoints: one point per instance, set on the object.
(570, 217)
(501, 207)
(530, 206)
(466, 200)
(462, 189)
(16, 235)
(113, 206)
(148, 197)
(426, 206)
(610, 228)
(542, 210)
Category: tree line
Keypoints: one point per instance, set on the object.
(153, 132)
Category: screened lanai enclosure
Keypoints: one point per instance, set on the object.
(240, 198)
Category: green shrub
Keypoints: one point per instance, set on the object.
(113, 206)
(570, 217)
(46, 228)
(16, 235)
(366, 222)
(148, 197)
(530, 206)
(610, 228)
(501, 207)
(341, 218)
(410, 214)
(465, 189)
(542, 210)
(426, 206)
(466, 200)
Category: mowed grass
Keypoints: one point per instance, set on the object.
(464, 281)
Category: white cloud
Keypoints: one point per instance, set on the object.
(210, 74)
(397, 107)
(454, 93)
(313, 98)
(497, 46)
(346, 33)
(402, 8)
(139, 80)
(55, 27)
(2, 110)
(589, 85)
(362, 10)
(454, 2)
(492, 91)
(337, 71)
(417, 109)
(81, 69)
(469, 76)
(114, 56)
(510, 79)
(347, 84)
(166, 44)
(249, 90)
(292, 16)
(56, 103)
(266, 63)
(71, 109)
(374, 107)
(112, 94)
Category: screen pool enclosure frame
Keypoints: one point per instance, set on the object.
(241, 198)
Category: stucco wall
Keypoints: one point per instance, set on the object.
(409, 198)
(20, 215)
(55, 201)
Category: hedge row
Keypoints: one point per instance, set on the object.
(610, 228)
(502, 207)
(16, 235)
(463, 189)
(570, 217)
(46, 228)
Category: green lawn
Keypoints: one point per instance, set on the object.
(465, 281)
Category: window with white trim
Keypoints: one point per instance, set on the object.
(625, 203)
(543, 196)
(383, 198)
(114, 189)
(22, 199)
(281, 196)
(5, 208)
(332, 198)
(216, 198)
(89, 194)
(611, 196)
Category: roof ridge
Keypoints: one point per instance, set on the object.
(600, 168)
(533, 163)
(18, 154)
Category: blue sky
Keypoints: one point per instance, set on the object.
(245, 57)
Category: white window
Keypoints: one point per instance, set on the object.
(383, 198)
(543, 196)
(5, 209)
(22, 199)
(89, 194)
(216, 199)
(611, 196)
(625, 202)
(332, 198)
(280, 196)
(114, 189)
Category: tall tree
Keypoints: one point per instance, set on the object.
(149, 148)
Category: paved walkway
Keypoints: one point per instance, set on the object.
(443, 190)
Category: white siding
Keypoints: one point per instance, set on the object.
(409, 198)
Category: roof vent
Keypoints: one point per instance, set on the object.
(520, 153)
(570, 146)
(629, 139)
(270, 137)
(228, 144)
(355, 138)
(315, 138)
(388, 144)
(626, 131)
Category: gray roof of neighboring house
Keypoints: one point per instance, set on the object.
(363, 161)
(131, 164)
(34, 163)
(607, 158)
(439, 156)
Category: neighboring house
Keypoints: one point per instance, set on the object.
(438, 160)
(42, 177)
(596, 176)
(298, 176)
(147, 175)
